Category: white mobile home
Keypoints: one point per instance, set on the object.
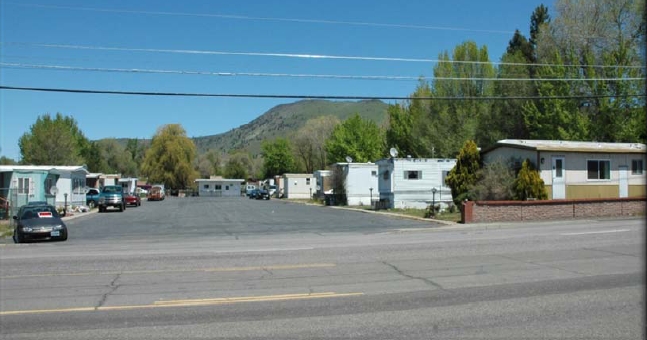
(579, 170)
(128, 184)
(411, 182)
(299, 186)
(361, 182)
(219, 187)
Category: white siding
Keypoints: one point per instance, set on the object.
(209, 188)
(360, 178)
(299, 186)
(414, 193)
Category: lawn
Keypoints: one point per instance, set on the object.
(5, 229)
(446, 216)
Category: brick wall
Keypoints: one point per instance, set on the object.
(510, 211)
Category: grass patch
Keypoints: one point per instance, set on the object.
(446, 216)
(5, 229)
(409, 212)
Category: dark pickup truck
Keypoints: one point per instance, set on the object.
(112, 196)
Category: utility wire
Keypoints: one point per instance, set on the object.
(303, 55)
(295, 75)
(244, 17)
(291, 96)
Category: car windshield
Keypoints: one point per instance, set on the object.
(38, 211)
(110, 190)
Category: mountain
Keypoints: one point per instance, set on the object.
(284, 120)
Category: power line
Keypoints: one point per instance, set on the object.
(292, 96)
(302, 55)
(244, 17)
(295, 75)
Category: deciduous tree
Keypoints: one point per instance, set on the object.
(359, 138)
(309, 142)
(169, 160)
(277, 157)
(53, 141)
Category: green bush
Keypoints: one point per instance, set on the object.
(529, 184)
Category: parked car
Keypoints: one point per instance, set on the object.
(112, 196)
(156, 193)
(132, 199)
(92, 197)
(249, 189)
(38, 222)
(263, 195)
(253, 193)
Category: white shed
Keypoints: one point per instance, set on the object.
(409, 182)
(299, 186)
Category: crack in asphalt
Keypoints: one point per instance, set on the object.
(542, 265)
(423, 279)
(113, 287)
(611, 252)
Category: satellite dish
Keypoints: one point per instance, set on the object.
(393, 152)
(349, 159)
(53, 190)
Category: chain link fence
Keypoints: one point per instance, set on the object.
(11, 200)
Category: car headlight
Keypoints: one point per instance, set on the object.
(59, 227)
(27, 229)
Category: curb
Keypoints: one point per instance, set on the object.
(77, 215)
(422, 219)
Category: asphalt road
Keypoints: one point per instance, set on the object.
(233, 269)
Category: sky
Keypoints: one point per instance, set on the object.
(276, 48)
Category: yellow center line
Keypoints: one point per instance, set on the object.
(188, 303)
(161, 271)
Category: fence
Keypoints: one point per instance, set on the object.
(11, 200)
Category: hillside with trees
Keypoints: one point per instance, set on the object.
(284, 121)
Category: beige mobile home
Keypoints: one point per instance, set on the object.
(579, 170)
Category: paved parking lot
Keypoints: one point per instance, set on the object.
(196, 217)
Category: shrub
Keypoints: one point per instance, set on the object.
(495, 182)
(529, 184)
(464, 174)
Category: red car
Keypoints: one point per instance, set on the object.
(132, 199)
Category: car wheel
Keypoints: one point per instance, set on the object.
(122, 207)
(91, 204)
(64, 238)
(101, 209)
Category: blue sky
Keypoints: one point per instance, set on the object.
(390, 29)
